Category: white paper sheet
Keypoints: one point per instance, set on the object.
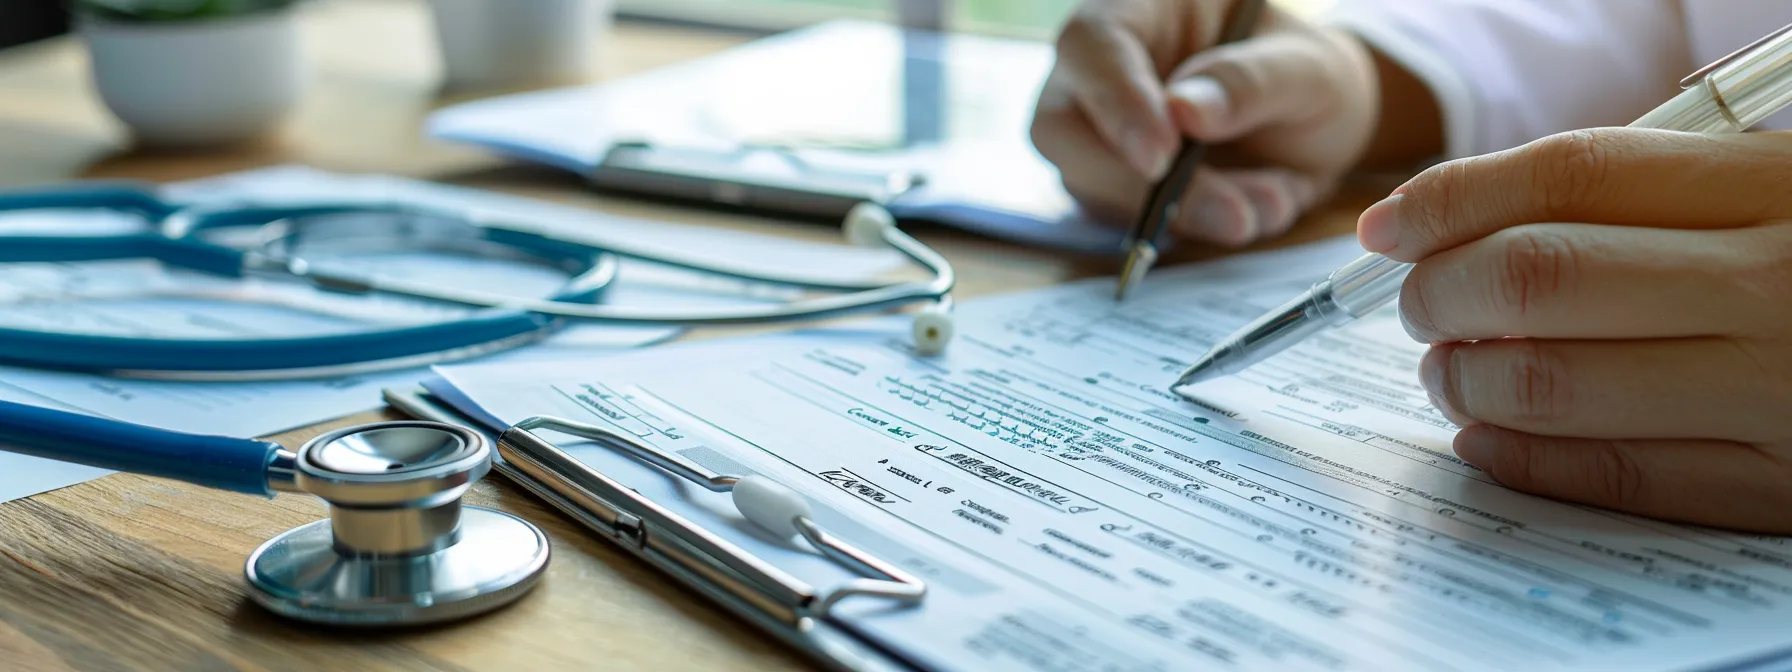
(1072, 514)
(847, 95)
(141, 298)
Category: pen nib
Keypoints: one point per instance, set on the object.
(1138, 262)
(1201, 372)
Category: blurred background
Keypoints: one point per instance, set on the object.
(23, 21)
(1037, 19)
(176, 89)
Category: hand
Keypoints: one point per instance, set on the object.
(1289, 111)
(1637, 358)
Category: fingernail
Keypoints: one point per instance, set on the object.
(1143, 155)
(1410, 331)
(1432, 374)
(1379, 227)
(1435, 376)
(1437, 404)
(1476, 447)
(1206, 96)
(1220, 223)
(1269, 207)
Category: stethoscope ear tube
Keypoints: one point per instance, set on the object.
(122, 195)
(237, 465)
(113, 354)
(220, 261)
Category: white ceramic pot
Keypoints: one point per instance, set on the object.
(506, 43)
(202, 82)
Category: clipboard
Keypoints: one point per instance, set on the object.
(805, 125)
(752, 590)
(773, 180)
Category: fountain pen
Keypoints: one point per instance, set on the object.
(1166, 196)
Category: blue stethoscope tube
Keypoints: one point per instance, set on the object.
(591, 269)
(500, 322)
(236, 465)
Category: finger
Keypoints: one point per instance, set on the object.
(1093, 172)
(1113, 193)
(1110, 74)
(1231, 207)
(1213, 209)
(1277, 196)
(1596, 282)
(1237, 207)
(1230, 90)
(1714, 483)
(1668, 389)
(1624, 176)
(1216, 209)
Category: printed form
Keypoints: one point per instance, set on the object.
(1069, 513)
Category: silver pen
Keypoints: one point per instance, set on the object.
(1728, 96)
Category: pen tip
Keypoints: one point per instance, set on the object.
(1203, 371)
(1138, 262)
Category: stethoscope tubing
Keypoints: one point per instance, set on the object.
(260, 358)
(509, 321)
(716, 267)
(876, 298)
(92, 352)
(224, 463)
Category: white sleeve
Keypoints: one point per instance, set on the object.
(1506, 72)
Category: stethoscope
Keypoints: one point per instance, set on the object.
(197, 238)
(400, 548)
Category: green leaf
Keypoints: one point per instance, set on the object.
(175, 10)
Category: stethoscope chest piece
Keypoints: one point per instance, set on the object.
(399, 547)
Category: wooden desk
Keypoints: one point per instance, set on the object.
(127, 572)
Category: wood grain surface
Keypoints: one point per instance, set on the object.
(127, 572)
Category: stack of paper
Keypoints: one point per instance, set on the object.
(1069, 512)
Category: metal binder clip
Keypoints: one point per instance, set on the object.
(645, 526)
(769, 178)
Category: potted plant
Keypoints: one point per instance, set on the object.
(194, 72)
(504, 44)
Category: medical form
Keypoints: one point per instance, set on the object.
(1069, 513)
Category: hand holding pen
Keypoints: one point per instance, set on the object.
(1728, 96)
(1609, 311)
(1282, 115)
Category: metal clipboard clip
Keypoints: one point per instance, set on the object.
(752, 588)
(765, 178)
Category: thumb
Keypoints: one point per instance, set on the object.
(1717, 483)
(1234, 89)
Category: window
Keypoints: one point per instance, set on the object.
(1035, 19)
(1025, 18)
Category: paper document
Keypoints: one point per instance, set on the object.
(141, 298)
(843, 96)
(1069, 513)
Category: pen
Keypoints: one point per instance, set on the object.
(1166, 195)
(1728, 96)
